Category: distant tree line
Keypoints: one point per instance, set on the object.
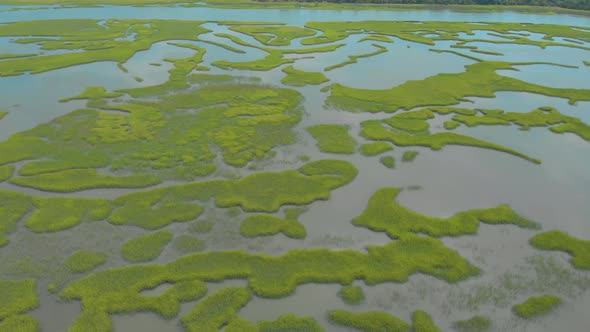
(572, 4)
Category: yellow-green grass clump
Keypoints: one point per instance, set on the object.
(353, 58)
(273, 35)
(333, 138)
(536, 306)
(379, 38)
(6, 172)
(3, 114)
(409, 155)
(451, 124)
(296, 77)
(352, 294)
(422, 322)
(98, 42)
(18, 296)
(560, 241)
(268, 276)
(368, 321)
(474, 324)
(290, 322)
(480, 79)
(13, 206)
(374, 149)
(20, 323)
(84, 261)
(384, 214)
(120, 293)
(265, 224)
(587, 63)
(388, 161)
(82, 179)
(58, 213)
(217, 310)
(146, 247)
(188, 243)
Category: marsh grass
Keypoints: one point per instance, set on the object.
(20, 323)
(384, 214)
(422, 322)
(333, 138)
(353, 58)
(146, 247)
(58, 213)
(6, 172)
(474, 324)
(379, 38)
(374, 149)
(84, 261)
(536, 306)
(352, 294)
(451, 124)
(296, 77)
(368, 321)
(265, 225)
(388, 161)
(217, 310)
(409, 155)
(18, 296)
(560, 241)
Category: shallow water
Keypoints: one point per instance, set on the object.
(553, 194)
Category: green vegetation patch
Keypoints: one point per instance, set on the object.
(290, 322)
(353, 58)
(20, 323)
(384, 214)
(374, 149)
(473, 324)
(84, 261)
(188, 243)
(6, 172)
(409, 155)
(217, 310)
(536, 306)
(18, 296)
(13, 206)
(422, 322)
(2, 114)
(587, 63)
(352, 294)
(388, 161)
(58, 213)
(265, 224)
(273, 35)
(379, 38)
(560, 241)
(201, 226)
(146, 247)
(333, 138)
(451, 124)
(301, 78)
(368, 321)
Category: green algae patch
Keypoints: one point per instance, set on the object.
(333, 138)
(83, 179)
(379, 38)
(301, 78)
(273, 35)
(353, 58)
(84, 261)
(368, 321)
(388, 161)
(480, 79)
(384, 214)
(265, 225)
(409, 155)
(422, 322)
(217, 310)
(58, 213)
(473, 324)
(6, 172)
(352, 294)
(536, 306)
(146, 247)
(13, 206)
(374, 149)
(18, 296)
(560, 241)
(188, 244)
(20, 323)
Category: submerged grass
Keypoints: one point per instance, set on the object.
(368, 321)
(473, 324)
(146, 247)
(536, 306)
(84, 261)
(560, 241)
(352, 294)
(333, 138)
(384, 214)
(188, 244)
